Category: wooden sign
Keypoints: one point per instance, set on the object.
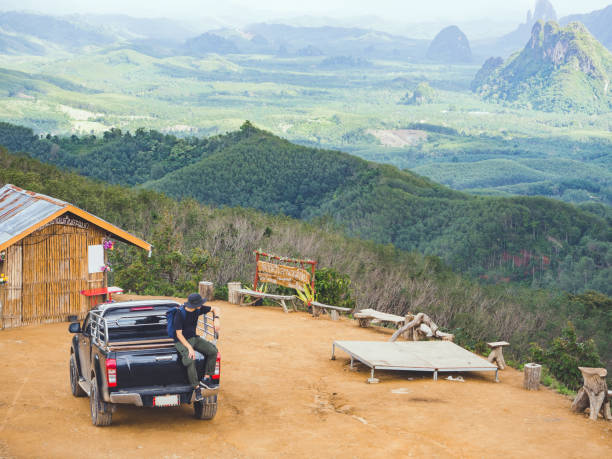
(287, 276)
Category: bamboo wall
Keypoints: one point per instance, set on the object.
(47, 271)
(10, 293)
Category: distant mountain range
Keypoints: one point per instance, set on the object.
(38, 34)
(560, 69)
(598, 22)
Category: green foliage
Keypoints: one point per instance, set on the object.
(565, 354)
(549, 380)
(333, 288)
(423, 94)
(170, 272)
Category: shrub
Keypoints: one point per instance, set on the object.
(565, 355)
(333, 288)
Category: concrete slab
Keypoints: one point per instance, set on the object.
(431, 356)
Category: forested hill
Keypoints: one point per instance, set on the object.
(194, 241)
(536, 240)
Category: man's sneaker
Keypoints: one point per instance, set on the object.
(198, 395)
(209, 383)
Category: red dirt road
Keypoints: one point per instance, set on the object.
(283, 396)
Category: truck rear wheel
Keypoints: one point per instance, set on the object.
(101, 414)
(206, 409)
(76, 390)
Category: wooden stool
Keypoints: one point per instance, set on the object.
(497, 353)
(593, 394)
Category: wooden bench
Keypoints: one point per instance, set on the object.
(369, 317)
(497, 354)
(280, 299)
(333, 310)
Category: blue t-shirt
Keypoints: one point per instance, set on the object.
(188, 326)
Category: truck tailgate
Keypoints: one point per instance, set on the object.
(146, 367)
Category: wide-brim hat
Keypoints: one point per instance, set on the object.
(194, 300)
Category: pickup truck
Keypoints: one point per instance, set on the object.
(121, 354)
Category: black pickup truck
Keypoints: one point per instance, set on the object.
(121, 354)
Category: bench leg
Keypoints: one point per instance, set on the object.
(334, 315)
(284, 306)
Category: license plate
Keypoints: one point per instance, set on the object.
(166, 400)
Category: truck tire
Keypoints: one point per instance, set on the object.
(101, 414)
(205, 409)
(76, 390)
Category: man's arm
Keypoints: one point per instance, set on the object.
(217, 318)
(183, 340)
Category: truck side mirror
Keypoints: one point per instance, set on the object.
(74, 327)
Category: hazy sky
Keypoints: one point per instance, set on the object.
(408, 11)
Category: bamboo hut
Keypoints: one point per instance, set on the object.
(50, 251)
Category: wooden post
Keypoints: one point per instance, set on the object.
(497, 354)
(334, 315)
(232, 296)
(531, 376)
(593, 394)
(206, 290)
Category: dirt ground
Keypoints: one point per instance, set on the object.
(282, 396)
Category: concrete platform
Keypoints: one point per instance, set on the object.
(433, 356)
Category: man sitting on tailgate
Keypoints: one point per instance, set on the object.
(187, 342)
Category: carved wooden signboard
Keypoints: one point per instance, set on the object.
(287, 276)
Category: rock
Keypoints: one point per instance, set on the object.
(450, 46)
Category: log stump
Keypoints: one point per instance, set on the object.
(531, 376)
(232, 295)
(593, 394)
(206, 290)
(497, 353)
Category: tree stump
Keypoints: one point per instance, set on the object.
(593, 394)
(531, 376)
(497, 354)
(232, 295)
(206, 290)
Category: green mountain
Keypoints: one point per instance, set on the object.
(560, 69)
(253, 168)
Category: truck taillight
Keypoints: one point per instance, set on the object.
(217, 367)
(111, 372)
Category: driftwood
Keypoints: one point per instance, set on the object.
(497, 354)
(593, 394)
(532, 373)
(419, 327)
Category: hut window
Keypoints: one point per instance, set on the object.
(95, 258)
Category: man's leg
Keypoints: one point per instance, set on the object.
(192, 374)
(209, 350)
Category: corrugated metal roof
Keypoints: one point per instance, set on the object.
(21, 209)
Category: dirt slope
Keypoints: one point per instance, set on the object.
(282, 395)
